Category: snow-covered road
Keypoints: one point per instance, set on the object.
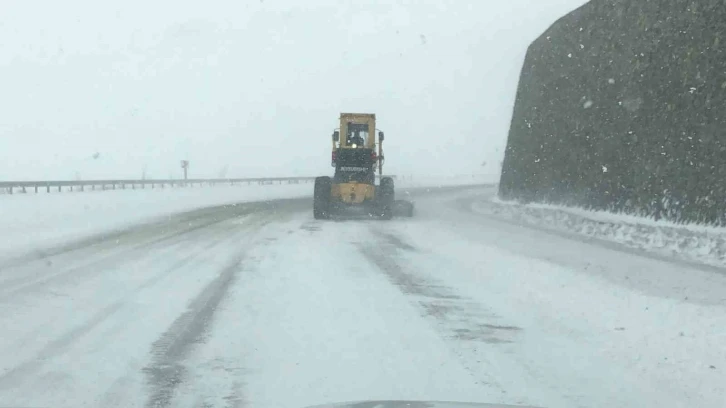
(259, 305)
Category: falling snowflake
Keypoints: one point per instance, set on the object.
(611, 81)
(569, 55)
(587, 105)
(604, 169)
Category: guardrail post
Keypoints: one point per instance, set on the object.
(59, 189)
(36, 189)
(10, 190)
(81, 187)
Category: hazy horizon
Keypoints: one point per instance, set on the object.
(96, 90)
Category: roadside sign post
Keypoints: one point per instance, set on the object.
(185, 167)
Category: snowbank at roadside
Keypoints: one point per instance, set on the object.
(694, 243)
(32, 221)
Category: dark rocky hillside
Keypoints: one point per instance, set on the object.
(621, 106)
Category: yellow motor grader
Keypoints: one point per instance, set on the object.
(352, 189)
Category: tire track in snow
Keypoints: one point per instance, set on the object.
(187, 247)
(177, 247)
(207, 216)
(384, 253)
(465, 318)
(21, 285)
(460, 320)
(236, 231)
(137, 241)
(166, 370)
(18, 374)
(139, 236)
(212, 376)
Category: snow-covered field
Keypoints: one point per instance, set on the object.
(692, 243)
(252, 307)
(36, 220)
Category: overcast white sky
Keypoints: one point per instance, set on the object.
(256, 86)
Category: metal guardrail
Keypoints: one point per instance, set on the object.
(11, 187)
